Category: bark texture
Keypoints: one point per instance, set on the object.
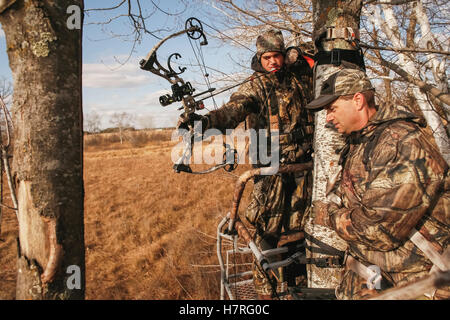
(45, 59)
(335, 13)
(328, 13)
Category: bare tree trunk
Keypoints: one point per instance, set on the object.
(388, 98)
(327, 13)
(46, 62)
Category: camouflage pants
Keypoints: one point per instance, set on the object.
(277, 207)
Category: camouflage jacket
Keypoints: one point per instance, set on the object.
(282, 94)
(394, 179)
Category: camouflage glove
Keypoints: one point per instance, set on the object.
(191, 120)
(320, 213)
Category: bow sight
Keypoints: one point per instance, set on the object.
(181, 91)
(178, 92)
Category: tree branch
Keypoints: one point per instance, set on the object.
(392, 2)
(256, 17)
(416, 50)
(5, 4)
(103, 9)
(443, 97)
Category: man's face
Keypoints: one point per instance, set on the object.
(343, 114)
(271, 61)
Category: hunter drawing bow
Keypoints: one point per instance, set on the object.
(182, 91)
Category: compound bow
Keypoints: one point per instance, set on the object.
(184, 92)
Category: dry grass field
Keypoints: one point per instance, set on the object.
(8, 251)
(149, 232)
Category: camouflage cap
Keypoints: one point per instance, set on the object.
(344, 82)
(269, 41)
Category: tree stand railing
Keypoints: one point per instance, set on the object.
(236, 278)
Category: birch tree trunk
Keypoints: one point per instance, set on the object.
(46, 63)
(386, 20)
(328, 13)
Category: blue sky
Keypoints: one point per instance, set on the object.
(112, 79)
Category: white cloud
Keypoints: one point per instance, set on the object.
(98, 75)
(160, 117)
(112, 87)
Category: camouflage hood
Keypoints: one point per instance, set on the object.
(391, 113)
(270, 41)
(386, 115)
(256, 65)
(295, 64)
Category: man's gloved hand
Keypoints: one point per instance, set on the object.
(320, 213)
(190, 121)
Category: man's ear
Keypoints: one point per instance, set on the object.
(359, 100)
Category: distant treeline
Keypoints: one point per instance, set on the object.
(116, 130)
(130, 137)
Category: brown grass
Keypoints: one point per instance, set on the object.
(148, 230)
(8, 252)
(136, 139)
